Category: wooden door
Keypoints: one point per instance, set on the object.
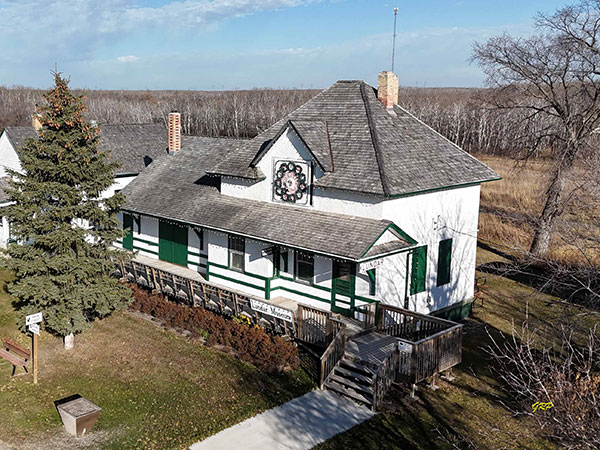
(128, 238)
(180, 245)
(342, 291)
(172, 243)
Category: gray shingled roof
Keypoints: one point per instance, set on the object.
(133, 145)
(172, 188)
(373, 151)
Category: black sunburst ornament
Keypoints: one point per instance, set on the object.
(290, 182)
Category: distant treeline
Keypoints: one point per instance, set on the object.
(458, 114)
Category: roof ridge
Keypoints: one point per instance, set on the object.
(374, 140)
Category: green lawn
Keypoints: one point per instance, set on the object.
(157, 389)
(468, 411)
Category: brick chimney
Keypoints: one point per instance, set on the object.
(174, 132)
(387, 88)
(35, 122)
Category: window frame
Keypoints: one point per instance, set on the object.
(372, 275)
(237, 252)
(297, 261)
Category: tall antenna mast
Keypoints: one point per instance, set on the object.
(394, 40)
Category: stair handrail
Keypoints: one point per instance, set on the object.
(384, 377)
(334, 351)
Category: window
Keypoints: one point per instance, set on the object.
(372, 282)
(200, 233)
(237, 248)
(419, 270)
(444, 262)
(280, 261)
(305, 267)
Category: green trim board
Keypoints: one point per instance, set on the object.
(233, 280)
(199, 255)
(302, 294)
(244, 273)
(456, 311)
(197, 264)
(397, 229)
(443, 188)
(152, 252)
(130, 174)
(135, 238)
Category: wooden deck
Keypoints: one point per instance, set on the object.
(371, 348)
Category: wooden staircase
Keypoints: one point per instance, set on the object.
(353, 379)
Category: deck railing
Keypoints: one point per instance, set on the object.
(428, 345)
(367, 314)
(409, 325)
(224, 301)
(436, 353)
(334, 352)
(314, 326)
(386, 374)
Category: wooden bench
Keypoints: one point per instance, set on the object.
(15, 354)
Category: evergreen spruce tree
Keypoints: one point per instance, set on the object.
(63, 232)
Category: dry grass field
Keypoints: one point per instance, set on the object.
(510, 207)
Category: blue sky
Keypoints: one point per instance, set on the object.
(229, 44)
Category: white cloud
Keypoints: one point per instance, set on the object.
(128, 59)
(73, 30)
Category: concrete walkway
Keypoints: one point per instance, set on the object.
(298, 424)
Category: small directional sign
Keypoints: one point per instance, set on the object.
(33, 318)
(35, 328)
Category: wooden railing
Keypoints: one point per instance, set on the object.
(386, 374)
(409, 325)
(333, 353)
(429, 344)
(436, 353)
(314, 326)
(224, 301)
(367, 314)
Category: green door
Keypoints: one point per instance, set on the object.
(180, 245)
(342, 290)
(128, 238)
(172, 243)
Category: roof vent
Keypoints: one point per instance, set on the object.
(35, 121)
(174, 132)
(387, 88)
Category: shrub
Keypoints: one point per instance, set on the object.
(252, 343)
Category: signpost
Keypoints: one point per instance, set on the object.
(33, 322)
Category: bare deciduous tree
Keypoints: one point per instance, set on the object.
(554, 77)
(563, 373)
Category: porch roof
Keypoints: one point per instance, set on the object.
(171, 189)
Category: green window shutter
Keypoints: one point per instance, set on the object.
(419, 270)
(444, 262)
(372, 282)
